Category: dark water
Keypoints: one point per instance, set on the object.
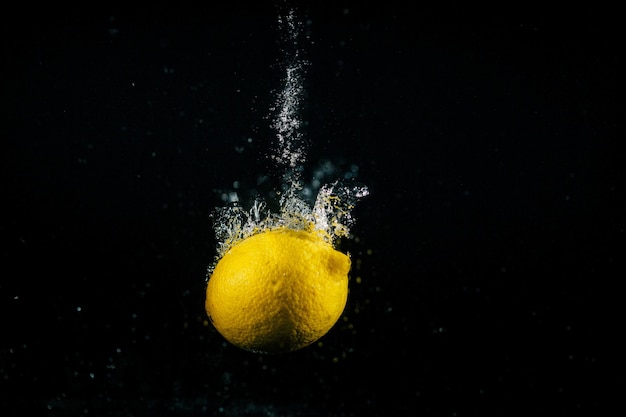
(483, 253)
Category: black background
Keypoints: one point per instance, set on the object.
(484, 253)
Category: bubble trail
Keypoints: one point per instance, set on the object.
(330, 217)
(291, 148)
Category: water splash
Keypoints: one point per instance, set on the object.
(330, 216)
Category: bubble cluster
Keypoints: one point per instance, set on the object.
(290, 150)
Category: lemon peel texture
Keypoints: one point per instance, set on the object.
(278, 291)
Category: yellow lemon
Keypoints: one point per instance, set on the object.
(278, 291)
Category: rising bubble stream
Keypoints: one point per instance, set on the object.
(330, 216)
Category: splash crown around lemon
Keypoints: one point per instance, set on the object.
(278, 291)
(278, 284)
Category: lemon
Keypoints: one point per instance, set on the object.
(278, 291)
